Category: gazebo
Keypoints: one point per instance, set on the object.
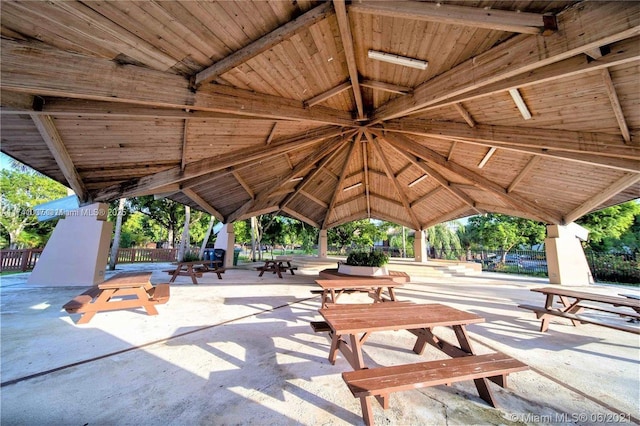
(327, 112)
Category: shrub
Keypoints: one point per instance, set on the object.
(190, 257)
(375, 258)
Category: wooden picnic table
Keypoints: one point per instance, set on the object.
(125, 290)
(277, 266)
(333, 289)
(573, 302)
(351, 325)
(195, 269)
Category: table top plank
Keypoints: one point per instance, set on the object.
(380, 316)
(593, 297)
(127, 279)
(357, 283)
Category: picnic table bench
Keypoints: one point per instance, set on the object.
(375, 287)
(351, 325)
(195, 269)
(572, 302)
(277, 266)
(126, 290)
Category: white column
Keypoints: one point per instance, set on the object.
(419, 247)
(226, 240)
(566, 261)
(77, 251)
(322, 244)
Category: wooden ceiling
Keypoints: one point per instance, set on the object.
(245, 108)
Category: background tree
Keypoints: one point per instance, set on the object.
(357, 234)
(21, 191)
(166, 213)
(608, 225)
(496, 231)
(443, 241)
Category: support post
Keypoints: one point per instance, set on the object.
(77, 251)
(226, 240)
(419, 247)
(566, 261)
(322, 244)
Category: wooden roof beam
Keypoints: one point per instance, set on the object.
(465, 114)
(244, 184)
(386, 87)
(47, 129)
(286, 31)
(328, 94)
(339, 186)
(294, 214)
(387, 168)
(523, 173)
(615, 104)
(365, 171)
(620, 185)
(435, 159)
(601, 144)
(493, 19)
(347, 43)
(428, 195)
(206, 166)
(582, 27)
(191, 194)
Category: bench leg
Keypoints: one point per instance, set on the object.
(333, 351)
(86, 317)
(367, 411)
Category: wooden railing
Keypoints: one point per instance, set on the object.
(19, 260)
(135, 255)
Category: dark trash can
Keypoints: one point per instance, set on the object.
(236, 255)
(218, 254)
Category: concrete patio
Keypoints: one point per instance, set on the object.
(240, 351)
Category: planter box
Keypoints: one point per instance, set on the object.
(368, 271)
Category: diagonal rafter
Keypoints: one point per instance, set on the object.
(53, 140)
(347, 43)
(365, 171)
(301, 23)
(435, 159)
(191, 194)
(387, 168)
(322, 151)
(444, 183)
(339, 186)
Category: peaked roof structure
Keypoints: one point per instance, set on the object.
(244, 108)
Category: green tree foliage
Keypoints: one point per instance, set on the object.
(357, 234)
(21, 191)
(607, 226)
(443, 241)
(496, 231)
(166, 217)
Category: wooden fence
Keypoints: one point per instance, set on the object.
(25, 259)
(19, 260)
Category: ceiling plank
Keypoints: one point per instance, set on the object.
(209, 165)
(523, 173)
(339, 186)
(615, 104)
(349, 53)
(51, 137)
(191, 194)
(493, 19)
(328, 94)
(314, 199)
(427, 195)
(286, 31)
(403, 143)
(620, 185)
(582, 27)
(183, 159)
(390, 175)
(386, 87)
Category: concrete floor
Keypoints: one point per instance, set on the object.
(240, 351)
